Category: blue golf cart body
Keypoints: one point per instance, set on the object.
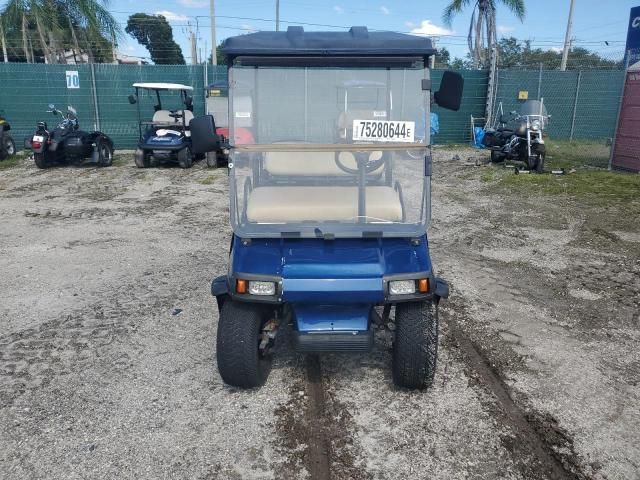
(330, 204)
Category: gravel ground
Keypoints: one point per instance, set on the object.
(108, 334)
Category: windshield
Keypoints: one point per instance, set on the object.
(329, 152)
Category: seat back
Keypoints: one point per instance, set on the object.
(312, 164)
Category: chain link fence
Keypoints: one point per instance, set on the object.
(583, 100)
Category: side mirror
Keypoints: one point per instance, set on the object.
(450, 94)
(132, 99)
(203, 135)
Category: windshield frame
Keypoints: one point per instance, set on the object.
(333, 229)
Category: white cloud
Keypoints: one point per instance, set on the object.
(193, 3)
(385, 10)
(172, 17)
(338, 9)
(427, 28)
(504, 29)
(556, 49)
(248, 28)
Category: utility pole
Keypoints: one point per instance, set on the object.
(567, 39)
(212, 15)
(277, 15)
(194, 48)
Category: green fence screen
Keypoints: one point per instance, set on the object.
(583, 104)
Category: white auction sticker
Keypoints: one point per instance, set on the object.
(383, 131)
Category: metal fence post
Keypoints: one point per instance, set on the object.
(575, 105)
(95, 97)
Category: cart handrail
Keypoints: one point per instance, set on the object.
(328, 147)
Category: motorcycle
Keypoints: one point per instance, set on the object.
(523, 142)
(67, 143)
(7, 145)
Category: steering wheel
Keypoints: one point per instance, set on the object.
(363, 161)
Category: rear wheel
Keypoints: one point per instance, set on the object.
(216, 160)
(241, 363)
(497, 157)
(105, 153)
(9, 146)
(415, 349)
(41, 160)
(141, 158)
(185, 159)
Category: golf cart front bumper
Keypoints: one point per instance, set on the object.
(328, 289)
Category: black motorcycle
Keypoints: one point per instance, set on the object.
(67, 143)
(520, 137)
(7, 145)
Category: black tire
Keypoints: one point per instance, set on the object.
(415, 349)
(497, 157)
(540, 151)
(185, 159)
(141, 158)
(105, 152)
(240, 362)
(41, 160)
(9, 146)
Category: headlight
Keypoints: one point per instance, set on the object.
(402, 287)
(535, 125)
(262, 288)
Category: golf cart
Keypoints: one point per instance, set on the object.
(167, 136)
(217, 95)
(329, 213)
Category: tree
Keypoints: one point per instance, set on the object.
(443, 58)
(482, 28)
(154, 32)
(47, 29)
(220, 58)
(514, 54)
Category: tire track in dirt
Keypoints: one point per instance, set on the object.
(531, 433)
(319, 459)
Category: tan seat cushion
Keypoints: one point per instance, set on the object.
(316, 164)
(284, 204)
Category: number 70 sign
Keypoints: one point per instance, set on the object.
(73, 79)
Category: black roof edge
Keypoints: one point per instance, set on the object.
(357, 41)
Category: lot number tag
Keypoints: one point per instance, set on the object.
(383, 131)
(73, 79)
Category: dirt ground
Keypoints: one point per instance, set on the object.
(107, 338)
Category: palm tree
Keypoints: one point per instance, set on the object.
(81, 25)
(482, 27)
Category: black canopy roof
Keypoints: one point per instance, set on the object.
(357, 42)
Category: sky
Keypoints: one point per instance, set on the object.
(595, 21)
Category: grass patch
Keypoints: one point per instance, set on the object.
(209, 180)
(489, 174)
(10, 162)
(596, 185)
(122, 160)
(577, 154)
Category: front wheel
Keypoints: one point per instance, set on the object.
(41, 160)
(241, 363)
(415, 349)
(105, 153)
(141, 158)
(185, 159)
